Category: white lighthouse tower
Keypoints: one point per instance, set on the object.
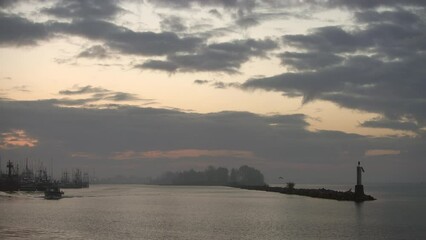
(359, 188)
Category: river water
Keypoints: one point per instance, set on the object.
(181, 212)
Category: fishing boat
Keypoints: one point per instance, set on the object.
(9, 182)
(53, 193)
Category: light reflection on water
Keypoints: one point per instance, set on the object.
(161, 212)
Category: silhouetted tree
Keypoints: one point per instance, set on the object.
(233, 177)
(290, 185)
(249, 176)
(245, 175)
(190, 177)
(216, 176)
(167, 178)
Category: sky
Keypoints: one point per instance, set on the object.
(301, 90)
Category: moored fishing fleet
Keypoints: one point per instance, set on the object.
(40, 180)
(78, 179)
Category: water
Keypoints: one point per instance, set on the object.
(171, 212)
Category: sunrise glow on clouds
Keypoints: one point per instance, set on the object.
(16, 138)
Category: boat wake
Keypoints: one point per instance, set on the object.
(20, 195)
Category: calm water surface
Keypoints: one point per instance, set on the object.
(162, 212)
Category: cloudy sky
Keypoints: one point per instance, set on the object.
(298, 89)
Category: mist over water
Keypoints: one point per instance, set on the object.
(174, 212)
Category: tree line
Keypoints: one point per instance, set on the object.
(212, 176)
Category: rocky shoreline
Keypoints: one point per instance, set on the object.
(315, 193)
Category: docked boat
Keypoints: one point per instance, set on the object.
(77, 179)
(53, 193)
(9, 182)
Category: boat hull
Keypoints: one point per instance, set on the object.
(53, 194)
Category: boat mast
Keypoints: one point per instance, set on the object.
(10, 167)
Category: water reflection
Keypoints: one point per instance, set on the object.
(359, 216)
(155, 212)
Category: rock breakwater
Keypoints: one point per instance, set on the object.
(315, 193)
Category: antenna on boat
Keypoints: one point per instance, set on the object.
(51, 168)
(9, 167)
(93, 176)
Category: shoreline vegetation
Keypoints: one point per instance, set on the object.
(212, 176)
(249, 178)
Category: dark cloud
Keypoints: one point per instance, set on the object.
(396, 41)
(96, 51)
(276, 142)
(95, 97)
(389, 40)
(225, 85)
(238, 8)
(80, 102)
(149, 43)
(83, 90)
(376, 68)
(239, 4)
(391, 124)
(215, 13)
(122, 96)
(172, 24)
(223, 57)
(17, 31)
(201, 82)
(127, 41)
(368, 4)
(84, 9)
(389, 88)
(91, 29)
(310, 60)
(396, 17)
(247, 22)
(183, 53)
(7, 3)
(294, 121)
(158, 65)
(218, 84)
(327, 39)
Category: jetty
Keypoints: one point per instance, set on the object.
(357, 196)
(315, 193)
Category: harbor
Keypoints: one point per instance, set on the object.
(30, 180)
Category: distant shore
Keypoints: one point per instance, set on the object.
(315, 193)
